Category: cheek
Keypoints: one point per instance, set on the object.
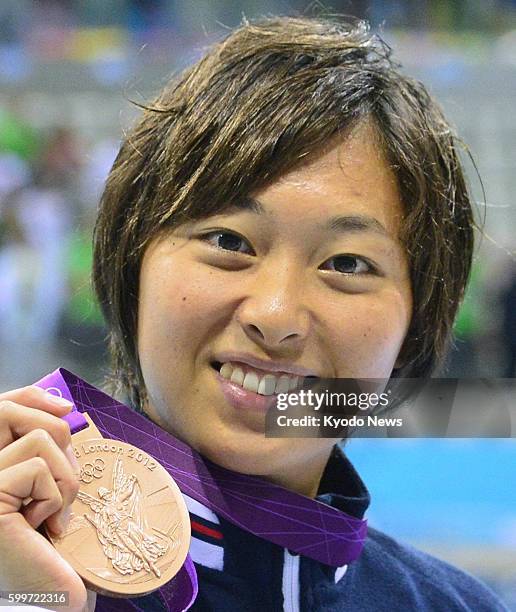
(177, 310)
(371, 332)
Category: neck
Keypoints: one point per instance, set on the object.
(304, 479)
(300, 480)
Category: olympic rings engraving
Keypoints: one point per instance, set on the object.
(89, 471)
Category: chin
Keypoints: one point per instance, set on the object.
(244, 456)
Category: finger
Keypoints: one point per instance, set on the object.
(39, 443)
(31, 478)
(36, 397)
(17, 420)
(28, 561)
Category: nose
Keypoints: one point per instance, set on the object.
(273, 314)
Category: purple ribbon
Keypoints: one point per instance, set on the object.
(301, 524)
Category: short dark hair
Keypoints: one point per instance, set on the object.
(255, 106)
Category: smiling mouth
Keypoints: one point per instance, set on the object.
(257, 381)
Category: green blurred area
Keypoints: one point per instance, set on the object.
(82, 307)
(17, 136)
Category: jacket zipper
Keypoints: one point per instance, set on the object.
(290, 584)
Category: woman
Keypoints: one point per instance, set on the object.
(290, 206)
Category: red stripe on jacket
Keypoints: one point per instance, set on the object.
(206, 530)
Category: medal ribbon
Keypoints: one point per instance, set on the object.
(301, 524)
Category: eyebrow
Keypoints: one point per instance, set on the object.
(340, 224)
(356, 223)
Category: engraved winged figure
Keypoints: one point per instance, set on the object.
(121, 526)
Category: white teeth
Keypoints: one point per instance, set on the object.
(264, 384)
(226, 370)
(267, 385)
(251, 382)
(237, 376)
(283, 384)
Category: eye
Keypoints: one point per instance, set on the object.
(227, 241)
(351, 265)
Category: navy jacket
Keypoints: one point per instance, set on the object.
(240, 572)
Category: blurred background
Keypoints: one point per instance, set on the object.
(68, 71)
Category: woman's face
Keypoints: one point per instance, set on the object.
(308, 278)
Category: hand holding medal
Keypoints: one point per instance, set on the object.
(37, 484)
(116, 518)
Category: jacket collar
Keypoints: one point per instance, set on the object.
(342, 487)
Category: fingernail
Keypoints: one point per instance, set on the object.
(72, 459)
(59, 401)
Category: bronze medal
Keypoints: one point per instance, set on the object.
(129, 530)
